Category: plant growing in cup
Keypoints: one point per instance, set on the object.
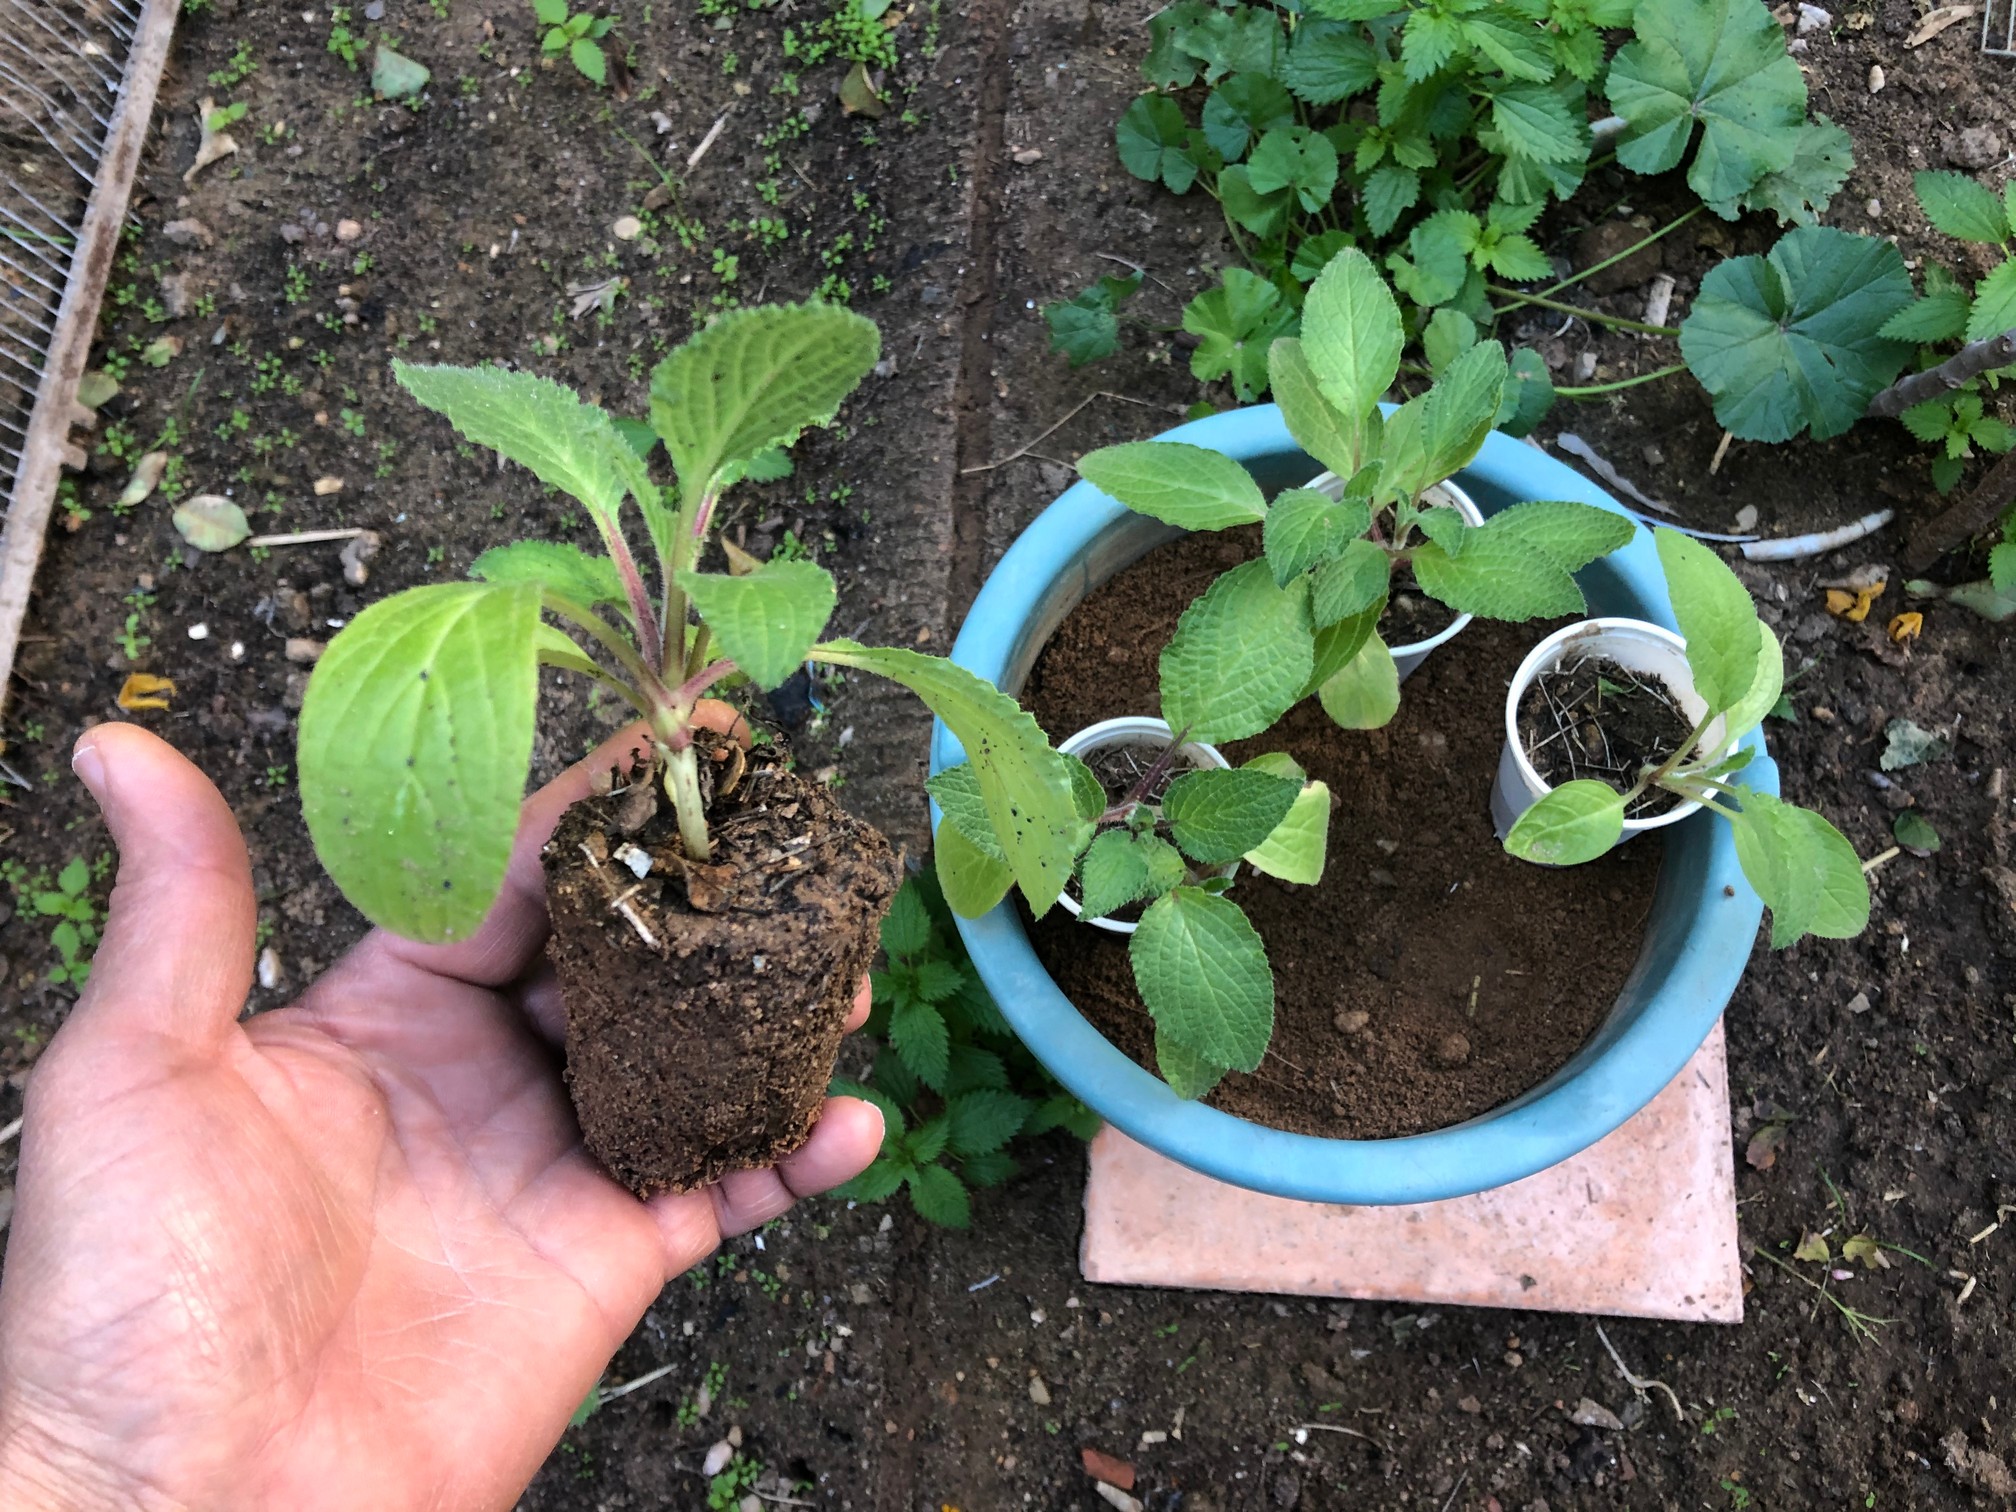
(1729, 674)
(708, 946)
(1306, 619)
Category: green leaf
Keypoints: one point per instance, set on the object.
(1312, 420)
(1440, 248)
(917, 1030)
(1112, 874)
(983, 1121)
(906, 928)
(567, 570)
(1538, 122)
(1242, 108)
(1351, 334)
(1500, 575)
(1217, 816)
(1571, 535)
(550, 12)
(1792, 341)
(1576, 822)
(1296, 848)
(1245, 40)
(1365, 693)
(1356, 580)
(1188, 1074)
(1515, 45)
(1390, 191)
(1237, 322)
(1170, 64)
(1088, 798)
(1915, 832)
(768, 619)
(1313, 253)
(1180, 484)
(1294, 157)
(929, 1140)
(416, 735)
(1529, 393)
(1803, 868)
(210, 522)
(394, 76)
(1152, 138)
(1456, 415)
(1240, 656)
(540, 425)
(1994, 304)
(1518, 259)
(1939, 316)
(1086, 327)
(1329, 61)
(1202, 972)
(1719, 62)
(754, 379)
(587, 57)
(2002, 566)
(875, 1184)
(1822, 159)
(1428, 41)
(1338, 644)
(1262, 214)
(957, 790)
(989, 1170)
(1767, 686)
(972, 880)
(935, 982)
(1026, 785)
(1962, 207)
(940, 1197)
(1305, 527)
(1166, 866)
(1907, 744)
(1448, 334)
(1716, 617)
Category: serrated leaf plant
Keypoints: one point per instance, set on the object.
(416, 732)
(1304, 621)
(1804, 869)
(956, 1088)
(578, 34)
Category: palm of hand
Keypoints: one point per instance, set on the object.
(350, 1253)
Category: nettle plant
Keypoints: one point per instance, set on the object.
(1803, 868)
(1304, 620)
(416, 734)
(578, 34)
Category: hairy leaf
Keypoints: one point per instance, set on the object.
(1312, 420)
(567, 570)
(1356, 580)
(972, 881)
(1189, 1075)
(1296, 848)
(1305, 527)
(1767, 686)
(1336, 645)
(1576, 822)
(1217, 816)
(765, 620)
(1112, 874)
(1365, 693)
(1803, 868)
(1716, 617)
(1351, 334)
(957, 790)
(1570, 534)
(1240, 656)
(1180, 484)
(1202, 972)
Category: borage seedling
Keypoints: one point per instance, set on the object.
(1802, 867)
(1267, 634)
(416, 734)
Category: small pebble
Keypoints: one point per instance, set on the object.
(304, 651)
(1453, 1050)
(348, 230)
(1352, 1021)
(717, 1458)
(1038, 1392)
(269, 968)
(628, 228)
(1859, 1003)
(375, 11)
(1876, 78)
(1874, 209)
(237, 652)
(326, 486)
(199, 632)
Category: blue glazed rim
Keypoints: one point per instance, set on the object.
(1698, 939)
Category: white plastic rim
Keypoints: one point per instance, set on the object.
(1636, 646)
(1407, 658)
(1136, 730)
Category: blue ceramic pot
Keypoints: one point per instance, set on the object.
(1704, 915)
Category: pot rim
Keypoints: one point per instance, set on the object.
(1703, 925)
(1107, 732)
(1464, 505)
(1552, 651)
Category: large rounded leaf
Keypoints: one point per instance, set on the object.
(416, 734)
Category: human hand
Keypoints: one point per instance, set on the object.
(350, 1253)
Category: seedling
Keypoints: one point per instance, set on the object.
(1801, 866)
(417, 729)
(578, 34)
(68, 902)
(1305, 621)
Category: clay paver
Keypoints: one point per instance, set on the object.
(1641, 1224)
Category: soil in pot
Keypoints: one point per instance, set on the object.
(1411, 616)
(1430, 977)
(1138, 770)
(1594, 719)
(706, 1004)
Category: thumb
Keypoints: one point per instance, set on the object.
(176, 959)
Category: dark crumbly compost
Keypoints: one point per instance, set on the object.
(1592, 719)
(708, 1046)
(1429, 977)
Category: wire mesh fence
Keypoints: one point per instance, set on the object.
(77, 83)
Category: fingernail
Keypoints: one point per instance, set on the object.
(89, 765)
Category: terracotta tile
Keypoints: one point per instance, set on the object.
(1642, 1224)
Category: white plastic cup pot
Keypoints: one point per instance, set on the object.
(1407, 658)
(1152, 735)
(1636, 646)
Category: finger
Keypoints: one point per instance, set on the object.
(510, 937)
(745, 1200)
(176, 958)
(858, 1014)
(846, 1139)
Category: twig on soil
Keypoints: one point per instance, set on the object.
(1639, 1384)
(307, 537)
(7, 1134)
(1450, 1501)
(1022, 451)
(1348, 1432)
(1793, 548)
(780, 1501)
(1128, 262)
(1875, 861)
(1971, 361)
(1721, 451)
(713, 134)
(1964, 520)
(643, 1380)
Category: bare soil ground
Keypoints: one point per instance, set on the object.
(867, 1360)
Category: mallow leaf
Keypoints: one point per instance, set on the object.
(1188, 486)
(1574, 823)
(1822, 159)
(766, 620)
(1716, 618)
(1217, 816)
(416, 735)
(1803, 868)
(1240, 656)
(1793, 340)
(1723, 64)
(753, 379)
(1236, 323)
(1151, 137)
(1202, 972)
(1025, 785)
(568, 571)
